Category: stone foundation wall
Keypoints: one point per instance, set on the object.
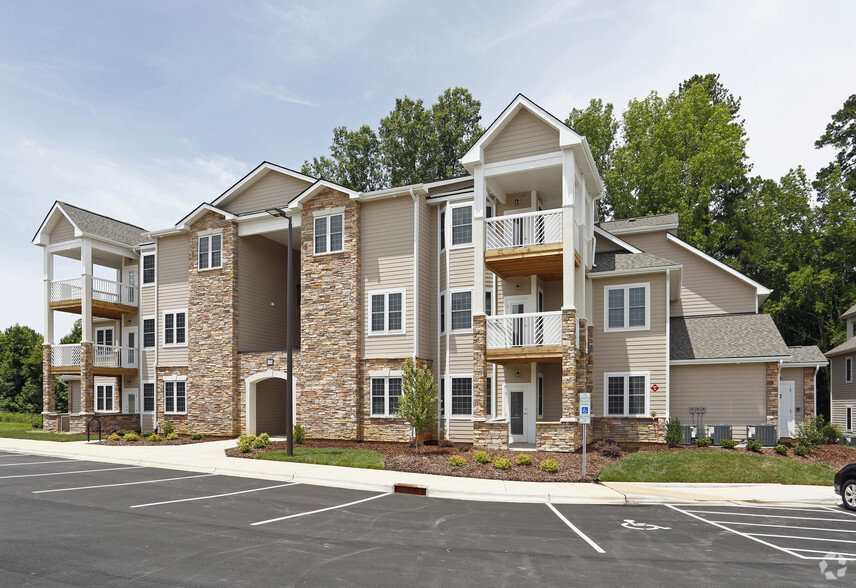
(630, 430)
(557, 436)
(50, 422)
(490, 434)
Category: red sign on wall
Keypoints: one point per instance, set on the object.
(654, 387)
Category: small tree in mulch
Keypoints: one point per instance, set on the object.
(418, 402)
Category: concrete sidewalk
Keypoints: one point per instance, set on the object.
(210, 458)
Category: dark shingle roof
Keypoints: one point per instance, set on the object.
(806, 354)
(725, 336)
(848, 346)
(102, 226)
(612, 261)
(653, 221)
(453, 187)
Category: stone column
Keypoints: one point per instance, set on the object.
(87, 379)
(48, 386)
(569, 364)
(479, 366)
(772, 393)
(590, 362)
(808, 387)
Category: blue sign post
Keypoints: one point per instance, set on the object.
(585, 419)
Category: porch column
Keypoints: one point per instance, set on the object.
(48, 278)
(479, 368)
(48, 387)
(86, 292)
(87, 378)
(568, 261)
(569, 366)
(478, 242)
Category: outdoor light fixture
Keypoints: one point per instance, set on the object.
(289, 337)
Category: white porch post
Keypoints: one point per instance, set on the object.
(479, 197)
(49, 276)
(86, 294)
(568, 260)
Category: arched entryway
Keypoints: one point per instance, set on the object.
(266, 393)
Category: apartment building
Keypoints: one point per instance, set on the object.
(501, 281)
(842, 385)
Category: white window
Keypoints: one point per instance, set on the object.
(462, 310)
(149, 332)
(175, 397)
(175, 328)
(627, 308)
(625, 394)
(385, 395)
(848, 370)
(329, 233)
(210, 251)
(540, 396)
(462, 224)
(104, 398)
(148, 396)
(848, 418)
(462, 396)
(386, 312)
(148, 269)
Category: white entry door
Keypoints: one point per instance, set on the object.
(519, 335)
(128, 294)
(130, 401)
(521, 414)
(787, 417)
(129, 351)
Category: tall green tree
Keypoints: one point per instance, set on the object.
(841, 134)
(417, 404)
(354, 161)
(20, 370)
(60, 387)
(598, 125)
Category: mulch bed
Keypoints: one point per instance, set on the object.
(182, 440)
(433, 459)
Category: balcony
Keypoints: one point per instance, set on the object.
(108, 360)
(525, 244)
(534, 336)
(109, 299)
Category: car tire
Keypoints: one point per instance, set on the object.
(848, 494)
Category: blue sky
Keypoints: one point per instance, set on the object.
(142, 110)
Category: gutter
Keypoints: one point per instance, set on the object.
(416, 233)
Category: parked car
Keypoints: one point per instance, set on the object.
(845, 485)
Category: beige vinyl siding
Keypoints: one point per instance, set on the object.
(461, 356)
(604, 245)
(172, 260)
(461, 431)
(705, 288)
(147, 358)
(62, 231)
(461, 263)
(172, 286)
(274, 189)
(843, 394)
(262, 312)
(524, 136)
(795, 375)
(732, 394)
(387, 264)
(428, 288)
(552, 391)
(632, 351)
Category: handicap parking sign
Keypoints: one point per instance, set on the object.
(584, 410)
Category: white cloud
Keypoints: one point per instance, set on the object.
(277, 92)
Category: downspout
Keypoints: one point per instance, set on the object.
(416, 233)
(668, 343)
(157, 322)
(447, 393)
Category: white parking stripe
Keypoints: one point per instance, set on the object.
(840, 510)
(74, 472)
(213, 495)
(818, 509)
(122, 484)
(770, 516)
(828, 540)
(575, 530)
(303, 514)
(784, 526)
(825, 553)
(3, 465)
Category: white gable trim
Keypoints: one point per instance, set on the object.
(41, 237)
(320, 185)
(201, 211)
(759, 289)
(721, 360)
(621, 243)
(251, 178)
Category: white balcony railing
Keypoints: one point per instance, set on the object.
(110, 356)
(522, 230)
(102, 290)
(534, 329)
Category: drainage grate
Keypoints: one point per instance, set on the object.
(410, 489)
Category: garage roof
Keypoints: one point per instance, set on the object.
(726, 336)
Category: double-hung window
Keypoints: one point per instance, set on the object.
(626, 394)
(627, 308)
(462, 396)
(442, 230)
(148, 333)
(540, 396)
(386, 393)
(462, 310)
(442, 313)
(104, 398)
(386, 312)
(148, 269)
(148, 396)
(848, 370)
(488, 302)
(210, 251)
(329, 233)
(462, 225)
(175, 328)
(175, 396)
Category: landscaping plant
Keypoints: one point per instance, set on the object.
(674, 432)
(145, 434)
(801, 450)
(265, 438)
(417, 404)
(155, 438)
(502, 463)
(259, 443)
(171, 436)
(458, 461)
(114, 437)
(523, 459)
(168, 428)
(753, 445)
(550, 466)
(132, 437)
(781, 449)
(703, 442)
(609, 448)
(244, 444)
(816, 431)
(729, 443)
(481, 457)
(196, 436)
(299, 434)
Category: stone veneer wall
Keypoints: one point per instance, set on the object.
(773, 394)
(570, 402)
(630, 430)
(808, 392)
(50, 422)
(557, 436)
(87, 379)
(479, 366)
(382, 428)
(213, 395)
(77, 423)
(251, 363)
(328, 365)
(490, 434)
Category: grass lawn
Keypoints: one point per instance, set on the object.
(713, 467)
(351, 458)
(22, 431)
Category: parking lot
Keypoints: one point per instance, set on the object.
(74, 522)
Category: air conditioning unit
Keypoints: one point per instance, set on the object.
(688, 435)
(719, 432)
(766, 434)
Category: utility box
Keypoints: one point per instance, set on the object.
(688, 433)
(766, 434)
(719, 433)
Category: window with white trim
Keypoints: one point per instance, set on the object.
(488, 302)
(442, 313)
(211, 251)
(175, 328)
(104, 398)
(148, 269)
(148, 396)
(149, 338)
(627, 307)
(386, 312)
(175, 397)
(848, 418)
(462, 310)
(442, 230)
(462, 225)
(626, 394)
(386, 393)
(462, 396)
(329, 233)
(848, 370)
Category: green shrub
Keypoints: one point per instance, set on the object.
(259, 443)
(674, 432)
(37, 424)
(609, 448)
(816, 431)
(264, 438)
(550, 466)
(172, 436)
(168, 428)
(155, 438)
(132, 437)
(523, 459)
(753, 445)
(20, 417)
(703, 442)
(114, 437)
(729, 443)
(801, 450)
(123, 432)
(481, 457)
(299, 434)
(196, 436)
(458, 461)
(781, 449)
(502, 463)
(830, 434)
(245, 445)
(146, 434)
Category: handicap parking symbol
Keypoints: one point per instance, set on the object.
(584, 410)
(631, 524)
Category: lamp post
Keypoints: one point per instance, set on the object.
(289, 337)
